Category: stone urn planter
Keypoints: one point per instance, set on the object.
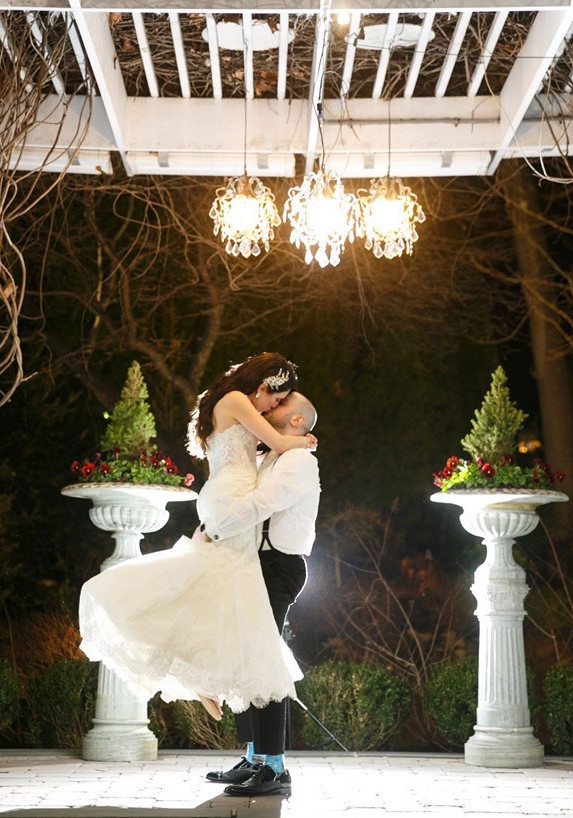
(120, 729)
(503, 736)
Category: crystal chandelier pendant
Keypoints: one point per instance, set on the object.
(389, 212)
(322, 217)
(245, 213)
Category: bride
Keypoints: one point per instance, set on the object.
(195, 622)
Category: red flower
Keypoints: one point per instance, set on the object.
(190, 479)
(507, 460)
(104, 468)
(87, 470)
(452, 462)
(76, 467)
(171, 469)
(488, 470)
(446, 472)
(479, 461)
(559, 475)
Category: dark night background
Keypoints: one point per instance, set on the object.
(396, 355)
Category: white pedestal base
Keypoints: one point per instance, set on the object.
(120, 729)
(498, 747)
(502, 736)
(102, 745)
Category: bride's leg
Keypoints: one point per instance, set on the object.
(212, 707)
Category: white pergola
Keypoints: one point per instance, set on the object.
(421, 88)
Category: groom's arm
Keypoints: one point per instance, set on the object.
(294, 474)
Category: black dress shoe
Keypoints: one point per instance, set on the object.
(240, 772)
(263, 781)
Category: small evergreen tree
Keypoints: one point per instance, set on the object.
(497, 422)
(131, 424)
(127, 451)
(492, 443)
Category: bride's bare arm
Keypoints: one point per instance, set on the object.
(235, 407)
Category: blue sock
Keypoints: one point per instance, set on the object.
(277, 763)
(250, 752)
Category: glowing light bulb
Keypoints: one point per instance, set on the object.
(242, 214)
(245, 214)
(389, 212)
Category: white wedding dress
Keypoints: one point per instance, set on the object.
(194, 620)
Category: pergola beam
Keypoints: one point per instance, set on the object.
(100, 50)
(524, 80)
(274, 6)
(420, 125)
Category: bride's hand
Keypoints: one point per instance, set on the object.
(311, 441)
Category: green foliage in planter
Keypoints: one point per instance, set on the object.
(128, 453)
(60, 704)
(495, 425)
(558, 690)
(8, 697)
(450, 699)
(451, 696)
(131, 424)
(361, 704)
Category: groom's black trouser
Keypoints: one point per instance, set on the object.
(284, 575)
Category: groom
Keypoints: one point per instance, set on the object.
(283, 506)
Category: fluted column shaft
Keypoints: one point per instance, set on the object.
(503, 736)
(120, 729)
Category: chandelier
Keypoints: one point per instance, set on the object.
(322, 217)
(389, 212)
(246, 214)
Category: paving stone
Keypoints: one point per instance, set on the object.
(325, 785)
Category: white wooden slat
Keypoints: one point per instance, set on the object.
(248, 54)
(453, 50)
(38, 35)
(319, 62)
(385, 54)
(353, 31)
(98, 44)
(179, 54)
(283, 54)
(543, 41)
(77, 47)
(214, 56)
(487, 52)
(145, 53)
(419, 52)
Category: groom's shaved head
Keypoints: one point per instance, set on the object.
(295, 414)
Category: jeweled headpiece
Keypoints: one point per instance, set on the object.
(275, 381)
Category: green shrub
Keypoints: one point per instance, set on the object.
(8, 697)
(60, 704)
(450, 699)
(187, 725)
(558, 690)
(361, 704)
(451, 696)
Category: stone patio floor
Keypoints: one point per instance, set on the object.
(54, 783)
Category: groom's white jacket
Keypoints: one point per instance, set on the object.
(287, 492)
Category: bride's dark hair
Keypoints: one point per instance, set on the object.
(244, 377)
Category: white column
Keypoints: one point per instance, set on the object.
(120, 729)
(503, 736)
